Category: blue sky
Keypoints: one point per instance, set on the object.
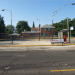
(31, 10)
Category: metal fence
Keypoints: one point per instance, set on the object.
(40, 36)
(27, 37)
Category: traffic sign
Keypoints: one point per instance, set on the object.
(71, 28)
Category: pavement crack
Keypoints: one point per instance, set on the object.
(13, 60)
(2, 73)
(7, 68)
(53, 61)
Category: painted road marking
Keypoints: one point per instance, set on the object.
(62, 70)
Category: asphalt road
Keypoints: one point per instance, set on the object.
(37, 62)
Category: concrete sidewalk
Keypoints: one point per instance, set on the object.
(30, 42)
(22, 43)
(34, 48)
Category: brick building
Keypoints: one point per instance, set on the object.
(47, 30)
(44, 30)
(28, 33)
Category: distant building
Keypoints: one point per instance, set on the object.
(34, 29)
(15, 34)
(44, 30)
(30, 33)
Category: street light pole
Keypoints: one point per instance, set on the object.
(11, 27)
(52, 25)
(11, 22)
(39, 29)
(56, 13)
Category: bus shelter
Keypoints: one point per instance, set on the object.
(60, 34)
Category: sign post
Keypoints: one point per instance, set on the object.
(57, 41)
(71, 28)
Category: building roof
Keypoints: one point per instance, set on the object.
(15, 34)
(47, 26)
(64, 30)
(34, 28)
(31, 32)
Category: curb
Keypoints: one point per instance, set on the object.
(35, 45)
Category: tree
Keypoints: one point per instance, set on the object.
(72, 23)
(33, 25)
(60, 25)
(2, 25)
(8, 29)
(21, 26)
(63, 25)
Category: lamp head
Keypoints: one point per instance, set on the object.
(73, 3)
(37, 19)
(2, 9)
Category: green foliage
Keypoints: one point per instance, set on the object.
(60, 25)
(8, 29)
(21, 26)
(72, 23)
(2, 25)
(63, 25)
(33, 25)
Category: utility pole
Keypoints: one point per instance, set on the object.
(68, 25)
(68, 20)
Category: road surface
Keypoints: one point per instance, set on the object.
(38, 62)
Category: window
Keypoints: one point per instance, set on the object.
(44, 34)
(32, 34)
(48, 29)
(44, 29)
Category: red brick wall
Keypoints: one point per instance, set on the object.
(47, 32)
(25, 34)
(36, 33)
(28, 34)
